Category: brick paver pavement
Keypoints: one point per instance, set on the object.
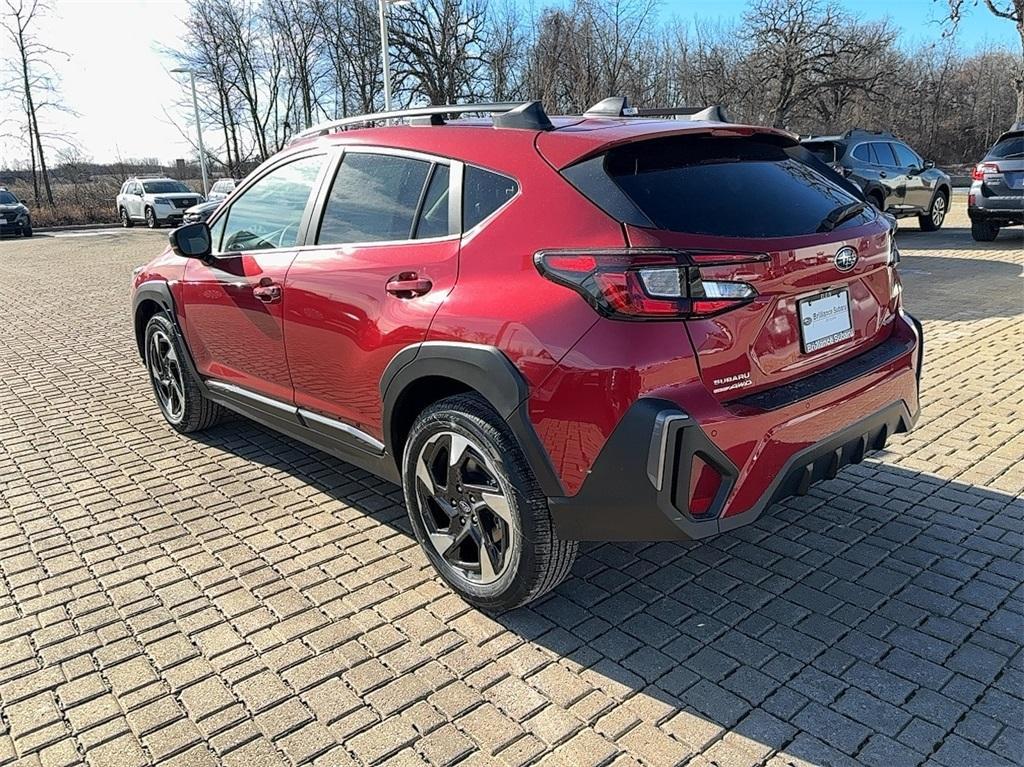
(241, 599)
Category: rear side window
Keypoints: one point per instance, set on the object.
(373, 199)
(883, 154)
(863, 153)
(433, 220)
(483, 192)
(1010, 148)
(726, 187)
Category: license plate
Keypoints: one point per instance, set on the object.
(824, 320)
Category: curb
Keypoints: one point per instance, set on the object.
(73, 227)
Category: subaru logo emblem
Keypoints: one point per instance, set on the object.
(845, 259)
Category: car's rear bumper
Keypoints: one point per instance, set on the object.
(765, 448)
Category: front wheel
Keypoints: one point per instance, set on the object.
(476, 508)
(151, 220)
(932, 220)
(177, 391)
(984, 231)
(27, 231)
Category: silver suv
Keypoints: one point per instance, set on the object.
(996, 198)
(221, 189)
(156, 201)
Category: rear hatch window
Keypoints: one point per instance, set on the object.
(826, 151)
(1008, 148)
(726, 187)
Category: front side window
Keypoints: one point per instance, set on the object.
(269, 213)
(164, 187)
(373, 199)
(906, 157)
(483, 192)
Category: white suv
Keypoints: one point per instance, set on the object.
(221, 189)
(156, 201)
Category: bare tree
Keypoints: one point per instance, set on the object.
(1011, 10)
(37, 79)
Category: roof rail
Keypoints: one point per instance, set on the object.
(618, 106)
(511, 114)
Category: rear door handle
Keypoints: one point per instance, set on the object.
(881, 174)
(408, 285)
(267, 294)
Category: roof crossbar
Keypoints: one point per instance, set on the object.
(528, 114)
(618, 106)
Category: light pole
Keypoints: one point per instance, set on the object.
(199, 129)
(382, 8)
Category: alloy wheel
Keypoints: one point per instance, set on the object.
(464, 509)
(939, 210)
(165, 372)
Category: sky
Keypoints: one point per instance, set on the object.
(128, 104)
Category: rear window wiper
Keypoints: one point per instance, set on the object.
(841, 214)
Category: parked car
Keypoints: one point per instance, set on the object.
(14, 215)
(200, 212)
(157, 201)
(996, 198)
(222, 188)
(590, 328)
(893, 176)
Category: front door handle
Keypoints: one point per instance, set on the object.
(267, 294)
(408, 285)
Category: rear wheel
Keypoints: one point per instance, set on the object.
(936, 214)
(984, 231)
(476, 508)
(178, 395)
(126, 220)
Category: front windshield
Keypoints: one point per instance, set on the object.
(6, 198)
(164, 187)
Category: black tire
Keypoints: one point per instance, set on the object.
(932, 221)
(533, 559)
(876, 199)
(27, 231)
(984, 231)
(151, 219)
(195, 412)
(126, 219)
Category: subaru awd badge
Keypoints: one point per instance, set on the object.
(845, 259)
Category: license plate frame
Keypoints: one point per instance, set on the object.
(834, 331)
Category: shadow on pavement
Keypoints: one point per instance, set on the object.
(876, 620)
(942, 288)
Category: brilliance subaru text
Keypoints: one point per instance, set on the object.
(611, 326)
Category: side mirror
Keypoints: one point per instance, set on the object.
(23, 202)
(191, 240)
(928, 165)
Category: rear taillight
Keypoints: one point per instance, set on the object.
(978, 174)
(645, 284)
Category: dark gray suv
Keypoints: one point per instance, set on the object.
(892, 176)
(996, 198)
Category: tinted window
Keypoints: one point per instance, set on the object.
(373, 198)
(434, 213)
(726, 186)
(270, 211)
(905, 157)
(863, 153)
(826, 151)
(1010, 147)
(883, 154)
(6, 198)
(164, 187)
(483, 192)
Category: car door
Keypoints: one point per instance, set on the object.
(889, 175)
(919, 188)
(233, 302)
(135, 200)
(383, 258)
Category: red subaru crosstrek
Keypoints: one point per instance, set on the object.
(601, 327)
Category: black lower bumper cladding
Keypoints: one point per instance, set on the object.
(630, 496)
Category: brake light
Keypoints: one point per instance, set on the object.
(647, 284)
(978, 174)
